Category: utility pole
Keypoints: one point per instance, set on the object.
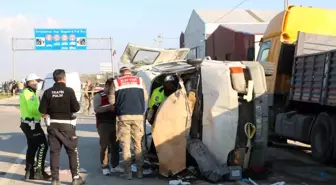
(13, 57)
(111, 49)
(286, 4)
(159, 39)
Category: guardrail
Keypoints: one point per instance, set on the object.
(37, 92)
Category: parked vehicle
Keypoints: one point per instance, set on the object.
(299, 73)
(228, 95)
(72, 80)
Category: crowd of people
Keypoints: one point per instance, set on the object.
(12, 87)
(119, 110)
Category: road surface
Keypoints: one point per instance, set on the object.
(292, 167)
(13, 148)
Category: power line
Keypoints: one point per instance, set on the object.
(243, 1)
(170, 38)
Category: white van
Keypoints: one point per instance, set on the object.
(72, 80)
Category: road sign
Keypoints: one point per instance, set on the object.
(60, 39)
(105, 67)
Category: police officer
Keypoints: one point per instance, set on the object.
(159, 94)
(129, 95)
(31, 127)
(58, 105)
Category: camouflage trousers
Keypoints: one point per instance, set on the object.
(131, 130)
(87, 105)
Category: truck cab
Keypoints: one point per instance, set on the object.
(278, 43)
(278, 49)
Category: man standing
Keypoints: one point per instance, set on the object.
(106, 125)
(31, 127)
(59, 103)
(87, 97)
(129, 95)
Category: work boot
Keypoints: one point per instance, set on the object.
(29, 173)
(139, 173)
(41, 175)
(78, 181)
(128, 173)
(55, 182)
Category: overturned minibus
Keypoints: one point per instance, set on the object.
(214, 102)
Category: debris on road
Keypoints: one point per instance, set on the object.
(178, 182)
(207, 164)
(279, 183)
(254, 183)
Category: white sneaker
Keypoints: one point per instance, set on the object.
(117, 169)
(106, 171)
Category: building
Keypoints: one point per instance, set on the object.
(235, 41)
(203, 23)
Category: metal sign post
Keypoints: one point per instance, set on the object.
(59, 40)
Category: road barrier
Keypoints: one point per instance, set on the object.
(17, 93)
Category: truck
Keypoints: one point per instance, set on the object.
(299, 60)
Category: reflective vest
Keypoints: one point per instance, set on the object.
(29, 105)
(157, 97)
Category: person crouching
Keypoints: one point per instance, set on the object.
(106, 125)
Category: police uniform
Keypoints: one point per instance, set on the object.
(31, 127)
(87, 98)
(157, 97)
(60, 103)
(129, 95)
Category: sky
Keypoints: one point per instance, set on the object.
(137, 22)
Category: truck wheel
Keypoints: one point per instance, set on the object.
(320, 138)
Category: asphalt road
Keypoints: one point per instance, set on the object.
(13, 148)
(291, 166)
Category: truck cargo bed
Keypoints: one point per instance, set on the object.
(314, 72)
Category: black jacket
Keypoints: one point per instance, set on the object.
(59, 102)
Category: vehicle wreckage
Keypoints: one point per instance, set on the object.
(207, 115)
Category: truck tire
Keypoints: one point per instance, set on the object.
(321, 138)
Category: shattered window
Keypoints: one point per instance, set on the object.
(145, 57)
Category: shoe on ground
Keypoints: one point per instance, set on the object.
(139, 174)
(42, 175)
(117, 169)
(29, 175)
(106, 171)
(55, 182)
(128, 176)
(78, 181)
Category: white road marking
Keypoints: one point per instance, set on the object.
(13, 169)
